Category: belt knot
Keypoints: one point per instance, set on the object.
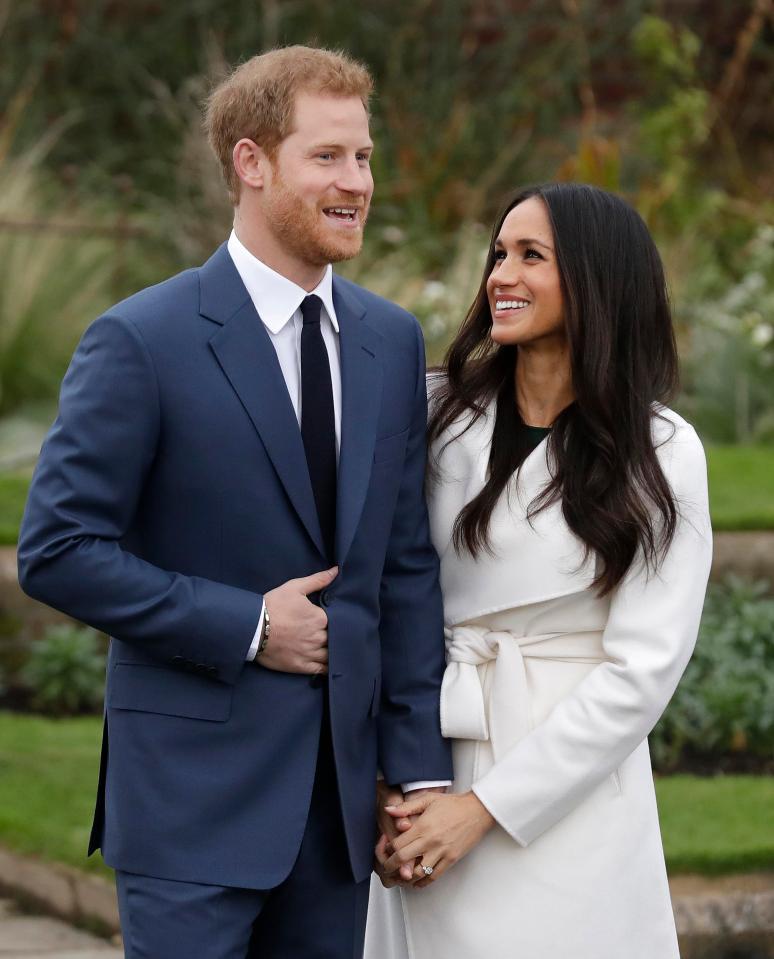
(505, 718)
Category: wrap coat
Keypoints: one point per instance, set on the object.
(549, 694)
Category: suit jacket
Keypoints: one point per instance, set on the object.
(170, 494)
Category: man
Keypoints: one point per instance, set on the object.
(233, 490)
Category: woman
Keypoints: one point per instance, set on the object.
(569, 510)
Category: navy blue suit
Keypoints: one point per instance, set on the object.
(170, 494)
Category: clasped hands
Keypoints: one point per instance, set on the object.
(427, 827)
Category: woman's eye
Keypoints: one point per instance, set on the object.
(529, 253)
(499, 255)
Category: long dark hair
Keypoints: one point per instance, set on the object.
(623, 359)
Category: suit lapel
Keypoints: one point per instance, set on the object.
(361, 394)
(247, 357)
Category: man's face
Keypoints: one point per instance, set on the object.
(317, 197)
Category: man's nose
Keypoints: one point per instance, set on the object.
(353, 178)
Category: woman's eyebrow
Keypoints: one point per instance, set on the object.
(528, 241)
(525, 241)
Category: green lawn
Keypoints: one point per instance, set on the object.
(48, 773)
(48, 777)
(741, 491)
(719, 825)
(741, 483)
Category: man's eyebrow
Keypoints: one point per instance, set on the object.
(339, 146)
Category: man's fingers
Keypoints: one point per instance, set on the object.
(381, 850)
(318, 656)
(317, 581)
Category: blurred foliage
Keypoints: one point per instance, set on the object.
(65, 671)
(729, 364)
(665, 102)
(724, 705)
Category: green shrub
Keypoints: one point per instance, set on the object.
(65, 671)
(724, 706)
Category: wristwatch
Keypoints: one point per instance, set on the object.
(265, 632)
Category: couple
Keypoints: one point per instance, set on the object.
(234, 491)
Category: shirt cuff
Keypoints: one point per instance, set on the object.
(425, 784)
(257, 638)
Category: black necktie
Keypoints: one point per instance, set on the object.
(318, 428)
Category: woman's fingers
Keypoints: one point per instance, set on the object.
(389, 877)
(438, 870)
(412, 807)
(382, 852)
(409, 851)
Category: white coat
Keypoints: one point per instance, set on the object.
(549, 694)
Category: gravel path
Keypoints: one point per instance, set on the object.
(23, 936)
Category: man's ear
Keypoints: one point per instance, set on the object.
(250, 163)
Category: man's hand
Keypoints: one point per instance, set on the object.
(298, 641)
(386, 824)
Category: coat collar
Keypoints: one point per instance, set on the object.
(361, 396)
(532, 560)
(246, 355)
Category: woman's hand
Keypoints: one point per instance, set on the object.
(447, 828)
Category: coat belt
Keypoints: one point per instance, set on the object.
(505, 718)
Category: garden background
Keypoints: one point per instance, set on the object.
(106, 186)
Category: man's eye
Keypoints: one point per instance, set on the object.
(325, 156)
(364, 158)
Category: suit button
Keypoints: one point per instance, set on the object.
(177, 660)
(201, 667)
(212, 670)
(325, 597)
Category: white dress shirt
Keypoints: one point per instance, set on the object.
(277, 301)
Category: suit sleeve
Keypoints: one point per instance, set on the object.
(411, 747)
(84, 494)
(648, 640)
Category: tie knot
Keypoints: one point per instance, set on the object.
(310, 309)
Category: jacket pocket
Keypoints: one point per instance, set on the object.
(156, 689)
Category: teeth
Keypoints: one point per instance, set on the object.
(511, 304)
(340, 209)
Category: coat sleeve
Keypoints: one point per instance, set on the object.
(411, 747)
(82, 501)
(648, 640)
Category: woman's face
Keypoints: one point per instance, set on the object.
(524, 291)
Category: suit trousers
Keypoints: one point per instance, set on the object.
(317, 912)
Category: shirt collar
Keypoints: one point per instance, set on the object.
(275, 297)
